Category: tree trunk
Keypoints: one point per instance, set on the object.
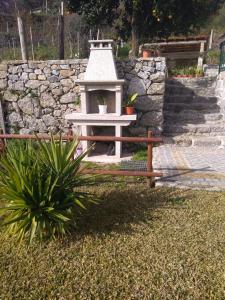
(23, 42)
(134, 35)
(61, 32)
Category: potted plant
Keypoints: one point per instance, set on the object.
(129, 103)
(102, 106)
(146, 53)
(151, 51)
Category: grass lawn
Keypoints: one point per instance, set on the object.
(137, 243)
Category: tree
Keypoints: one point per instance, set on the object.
(144, 19)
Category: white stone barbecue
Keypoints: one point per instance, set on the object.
(101, 79)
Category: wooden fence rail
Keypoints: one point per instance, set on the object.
(150, 140)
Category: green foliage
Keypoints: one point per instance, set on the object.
(213, 57)
(146, 18)
(124, 52)
(130, 100)
(45, 52)
(101, 100)
(38, 187)
(185, 71)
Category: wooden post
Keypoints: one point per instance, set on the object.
(78, 44)
(2, 121)
(22, 34)
(32, 44)
(46, 7)
(2, 143)
(211, 39)
(61, 32)
(14, 51)
(201, 56)
(149, 161)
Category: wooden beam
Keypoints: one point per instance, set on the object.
(122, 173)
(84, 138)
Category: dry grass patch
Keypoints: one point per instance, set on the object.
(136, 244)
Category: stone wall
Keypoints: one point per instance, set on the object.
(36, 95)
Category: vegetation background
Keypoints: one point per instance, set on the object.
(83, 20)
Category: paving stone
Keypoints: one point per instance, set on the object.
(190, 167)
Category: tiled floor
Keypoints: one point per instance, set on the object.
(190, 167)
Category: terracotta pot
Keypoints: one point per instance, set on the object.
(146, 53)
(129, 110)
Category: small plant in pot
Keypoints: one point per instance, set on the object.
(102, 106)
(129, 103)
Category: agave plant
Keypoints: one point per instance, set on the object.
(39, 187)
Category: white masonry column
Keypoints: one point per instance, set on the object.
(85, 131)
(118, 96)
(118, 145)
(84, 103)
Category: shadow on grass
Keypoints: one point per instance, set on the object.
(121, 211)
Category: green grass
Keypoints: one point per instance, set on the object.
(140, 155)
(137, 243)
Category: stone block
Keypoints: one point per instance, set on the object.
(53, 79)
(149, 103)
(66, 73)
(158, 77)
(38, 71)
(3, 67)
(156, 89)
(17, 86)
(67, 83)
(57, 91)
(153, 118)
(14, 118)
(136, 85)
(47, 71)
(161, 66)
(49, 120)
(47, 100)
(64, 67)
(3, 83)
(9, 96)
(41, 77)
(68, 98)
(43, 88)
(3, 74)
(24, 76)
(206, 141)
(26, 105)
(143, 75)
(55, 72)
(32, 76)
(33, 84)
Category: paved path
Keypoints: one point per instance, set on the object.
(190, 167)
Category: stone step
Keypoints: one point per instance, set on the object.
(190, 129)
(192, 82)
(185, 91)
(183, 99)
(180, 107)
(195, 141)
(192, 116)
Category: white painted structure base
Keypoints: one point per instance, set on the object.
(86, 121)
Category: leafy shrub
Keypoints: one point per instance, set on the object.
(213, 57)
(185, 71)
(39, 187)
